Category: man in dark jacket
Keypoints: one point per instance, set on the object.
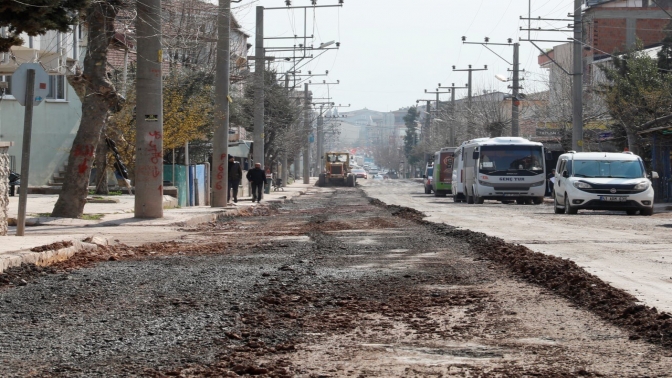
(235, 174)
(257, 178)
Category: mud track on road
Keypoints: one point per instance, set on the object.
(563, 276)
(329, 285)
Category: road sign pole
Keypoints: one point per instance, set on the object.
(25, 152)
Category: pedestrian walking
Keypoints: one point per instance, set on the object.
(257, 177)
(235, 174)
(551, 182)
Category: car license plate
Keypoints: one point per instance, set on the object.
(613, 199)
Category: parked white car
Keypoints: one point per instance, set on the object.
(602, 181)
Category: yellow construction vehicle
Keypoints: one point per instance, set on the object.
(336, 170)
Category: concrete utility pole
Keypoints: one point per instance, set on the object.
(469, 96)
(451, 89)
(149, 110)
(320, 131)
(320, 134)
(307, 128)
(220, 145)
(259, 55)
(577, 80)
(438, 105)
(425, 128)
(515, 100)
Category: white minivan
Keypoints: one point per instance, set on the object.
(602, 181)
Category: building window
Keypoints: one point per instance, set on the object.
(7, 79)
(56, 87)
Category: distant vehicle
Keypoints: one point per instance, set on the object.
(428, 177)
(336, 170)
(373, 171)
(377, 177)
(602, 181)
(503, 169)
(360, 173)
(392, 174)
(443, 171)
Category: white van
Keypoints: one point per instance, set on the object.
(504, 169)
(602, 181)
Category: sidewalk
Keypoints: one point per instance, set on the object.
(116, 224)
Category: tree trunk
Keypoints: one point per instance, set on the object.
(101, 167)
(633, 140)
(100, 98)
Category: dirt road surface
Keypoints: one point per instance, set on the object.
(633, 253)
(331, 285)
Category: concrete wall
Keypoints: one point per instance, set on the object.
(55, 124)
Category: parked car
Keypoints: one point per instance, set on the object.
(360, 173)
(428, 178)
(602, 181)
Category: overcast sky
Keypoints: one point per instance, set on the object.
(391, 50)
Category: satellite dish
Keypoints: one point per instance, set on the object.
(501, 78)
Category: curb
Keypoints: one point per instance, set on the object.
(47, 257)
(91, 244)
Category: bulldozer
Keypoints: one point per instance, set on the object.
(336, 170)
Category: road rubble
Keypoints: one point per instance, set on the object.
(331, 284)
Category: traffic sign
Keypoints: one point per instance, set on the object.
(19, 83)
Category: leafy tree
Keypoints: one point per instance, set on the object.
(638, 95)
(280, 114)
(187, 115)
(665, 53)
(36, 17)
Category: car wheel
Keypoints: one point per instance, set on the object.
(631, 212)
(538, 200)
(520, 201)
(569, 209)
(647, 212)
(556, 206)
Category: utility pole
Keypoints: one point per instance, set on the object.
(469, 94)
(425, 129)
(259, 54)
(149, 110)
(577, 80)
(320, 133)
(577, 57)
(515, 100)
(438, 104)
(320, 130)
(307, 128)
(451, 89)
(220, 148)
